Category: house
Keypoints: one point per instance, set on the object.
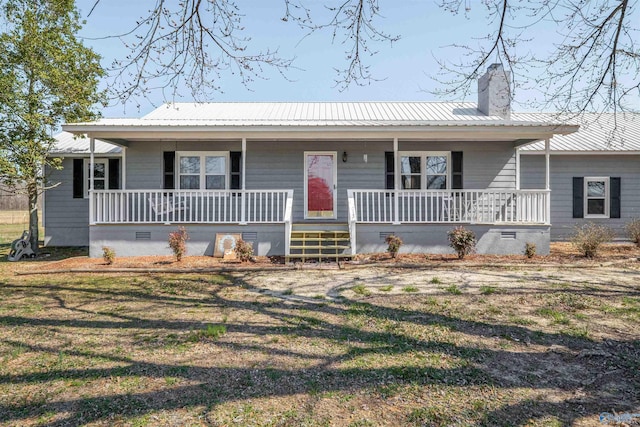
(594, 173)
(296, 179)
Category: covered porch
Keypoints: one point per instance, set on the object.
(414, 175)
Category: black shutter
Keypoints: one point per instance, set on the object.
(456, 170)
(78, 178)
(236, 170)
(578, 197)
(614, 202)
(389, 168)
(114, 174)
(168, 167)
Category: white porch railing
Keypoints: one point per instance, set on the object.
(453, 206)
(188, 206)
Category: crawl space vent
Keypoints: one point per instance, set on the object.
(143, 235)
(508, 235)
(384, 234)
(250, 236)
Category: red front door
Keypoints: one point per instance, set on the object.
(320, 173)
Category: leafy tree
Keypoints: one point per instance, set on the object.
(47, 76)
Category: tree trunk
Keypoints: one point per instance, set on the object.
(32, 191)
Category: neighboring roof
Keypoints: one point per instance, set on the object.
(311, 114)
(603, 132)
(68, 144)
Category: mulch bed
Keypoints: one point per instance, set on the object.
(561, 254)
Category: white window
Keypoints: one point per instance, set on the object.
(203, 171)
(429, 170)
(596, 197)
(410, 172)
(100, 175)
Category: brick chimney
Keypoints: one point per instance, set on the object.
(494, 93)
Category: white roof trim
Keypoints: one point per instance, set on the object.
(580, 153)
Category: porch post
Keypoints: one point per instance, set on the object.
(124, 168)
(92, 149)
(396, 182)
(547, 179)
(243, 198)
(517, 168)
(547, 176)
(244, 162)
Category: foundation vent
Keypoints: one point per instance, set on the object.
(250, 236)
(508, 235)
(143, 235)
(385, 234)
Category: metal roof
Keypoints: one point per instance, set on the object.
(320, 112)
(602, 132)
(311, 114)
(68, 144)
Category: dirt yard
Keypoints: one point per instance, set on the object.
(495, 341)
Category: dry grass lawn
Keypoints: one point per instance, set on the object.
(367, 346)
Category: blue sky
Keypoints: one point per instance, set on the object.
(405, 69)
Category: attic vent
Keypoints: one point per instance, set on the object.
(143, 235)
(384, 234)
(250, 236)
(507, 234)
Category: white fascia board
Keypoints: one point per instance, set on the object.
(450, 132)
(81, 155)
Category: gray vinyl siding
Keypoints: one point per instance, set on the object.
(485, 164)
(144, 159)
(276, 165)
(562, 170)
(280, 165)
(66, 220)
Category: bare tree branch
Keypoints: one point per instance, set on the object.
(189, 44)
(597, 39)
(354, 24)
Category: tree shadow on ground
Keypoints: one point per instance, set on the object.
(364, 330)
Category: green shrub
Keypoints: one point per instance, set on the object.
(178, 242)
(243, 250)
(462, 241)
(530, 250)
(108, 254)
(394, 243)
(587, 238)
(633, 230)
